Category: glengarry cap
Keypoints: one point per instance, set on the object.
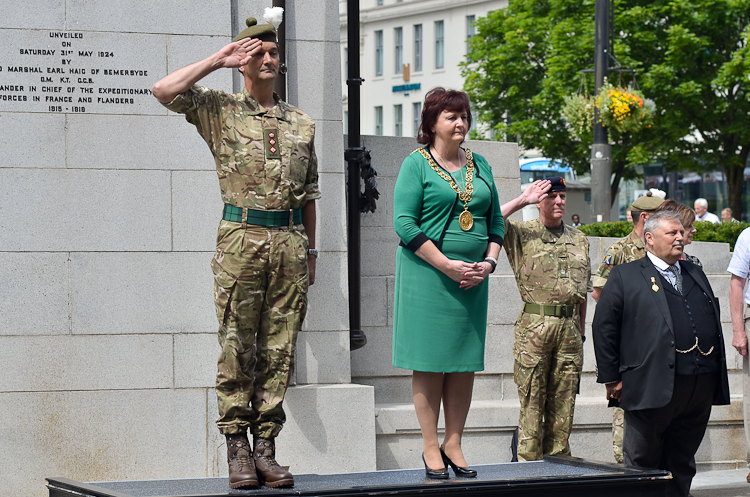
(264, 32)
(647, 203)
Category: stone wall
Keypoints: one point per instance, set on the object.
(108, 215)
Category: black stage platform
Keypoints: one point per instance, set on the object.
(566, 477)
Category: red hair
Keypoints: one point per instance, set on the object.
(436, 101)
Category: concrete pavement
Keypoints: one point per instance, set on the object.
(721, 483)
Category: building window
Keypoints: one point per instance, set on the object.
(398, 36)
(379, 120)
(439, 45)
(380, 2)
(398, 119)
(417, 48)
(379, 53)
(471, 30)
(417, 106)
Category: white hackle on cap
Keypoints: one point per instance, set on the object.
(274, 16)
(658, 193)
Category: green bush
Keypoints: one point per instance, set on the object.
(617, 229)
(722, 232)
(707, 232)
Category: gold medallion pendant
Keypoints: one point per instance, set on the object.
(466, 220)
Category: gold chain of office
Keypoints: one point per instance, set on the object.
(466, 220)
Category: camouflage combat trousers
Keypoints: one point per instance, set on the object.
(618, 428)
(548, 357)
(260, 292)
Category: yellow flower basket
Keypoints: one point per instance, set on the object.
(624, 109)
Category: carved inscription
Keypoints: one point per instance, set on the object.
(76, 72)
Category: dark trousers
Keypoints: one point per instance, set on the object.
(668, 437)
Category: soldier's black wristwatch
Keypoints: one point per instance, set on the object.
(313, 252)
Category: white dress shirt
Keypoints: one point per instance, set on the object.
(663, 268)
(740, 263)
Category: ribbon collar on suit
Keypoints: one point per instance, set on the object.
(651, 275)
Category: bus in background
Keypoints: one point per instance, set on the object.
(539, 168)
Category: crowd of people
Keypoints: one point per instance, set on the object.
(656, 330)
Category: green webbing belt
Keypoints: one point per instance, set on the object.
(560, 311)
(233, 214)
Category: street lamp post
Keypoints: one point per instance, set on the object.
(601, 151)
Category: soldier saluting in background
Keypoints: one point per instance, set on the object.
(551, 264)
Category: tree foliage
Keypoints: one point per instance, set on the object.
(692, 58)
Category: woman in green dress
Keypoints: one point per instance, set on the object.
(447, 214)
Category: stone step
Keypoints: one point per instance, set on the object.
(490, 425)
(500, 387)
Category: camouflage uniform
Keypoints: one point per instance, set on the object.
(266, 161)
(624, 250)
(548, 350)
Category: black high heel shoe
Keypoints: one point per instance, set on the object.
(440, 474)
(462, 472)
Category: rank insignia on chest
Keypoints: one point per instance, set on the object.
(271, 142)
(607, 259)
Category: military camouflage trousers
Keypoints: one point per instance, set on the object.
(548, 357)
(618, 429)
(260, 292)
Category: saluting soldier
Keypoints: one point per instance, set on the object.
(551, 264)
(265, 255)
(624, 250)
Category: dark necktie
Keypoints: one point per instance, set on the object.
(677, 277)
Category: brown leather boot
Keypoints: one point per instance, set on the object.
(270, 473)
(241, 464)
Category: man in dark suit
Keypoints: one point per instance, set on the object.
(660, 352)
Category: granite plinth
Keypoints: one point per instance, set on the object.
(565, 476)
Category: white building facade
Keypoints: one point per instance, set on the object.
(406, 48)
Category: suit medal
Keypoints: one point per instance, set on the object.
(654, 287)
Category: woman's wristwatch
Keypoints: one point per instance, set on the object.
(492, 261)
(313, 252)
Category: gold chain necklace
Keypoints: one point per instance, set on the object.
(462, 184)
(696, 346)
(465, 220)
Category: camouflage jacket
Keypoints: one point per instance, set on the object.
(549, 269)
(624, 250)
(265, 158)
